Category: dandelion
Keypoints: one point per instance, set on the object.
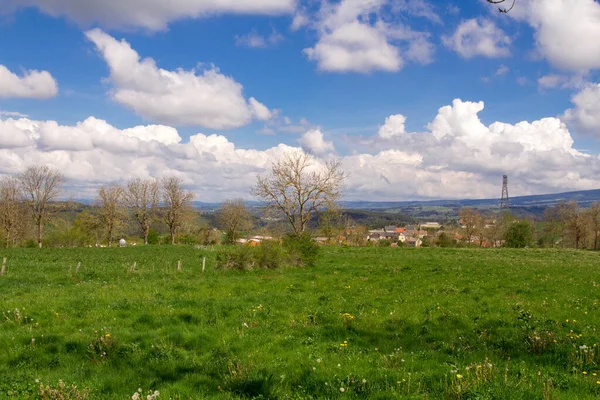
(318, 360)
(584, 372)
(364, 380)
(459, 376)
(342, 390)
(598, 382)
(595, 374)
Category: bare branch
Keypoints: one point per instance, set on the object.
(178, 204)
(503, 10)
(294, 188)
(40, 185)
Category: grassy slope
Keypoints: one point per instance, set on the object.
(421, 316)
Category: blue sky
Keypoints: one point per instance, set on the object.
(367, 60)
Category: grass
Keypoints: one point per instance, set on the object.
(375, 323)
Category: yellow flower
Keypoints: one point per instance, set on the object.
(459, 376)
(584, 372)
(598, 382)
(107, 335)
(595, 374)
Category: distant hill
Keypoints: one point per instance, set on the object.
(583, 197)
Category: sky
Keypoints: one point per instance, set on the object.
(418, 99)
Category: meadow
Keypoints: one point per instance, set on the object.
(376, 323)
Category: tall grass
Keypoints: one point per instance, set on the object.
(375, 323)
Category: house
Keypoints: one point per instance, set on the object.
(253, 241)
(389, 228)
(413, 242)
(431, 225)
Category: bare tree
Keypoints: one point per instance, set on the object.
(503, 9)
(178, 204)
(10, 208)
(593, 214)
(141, 198)
(296, 189)
(469, 218)
(40, 185)
(234, 217)
(111, 212)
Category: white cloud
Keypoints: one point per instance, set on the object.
(551, 81)
(150, 14)
(457, 156)
(4, 113)
(394, 126)
(478, 37)
(33, 84)
(585, 116)
(314, 142)
(354, 35)
(205, 98)
(502, 70)
(566, 31)
(255, 40)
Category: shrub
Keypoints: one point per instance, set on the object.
(384, 243)
(269, 254)
(302, 249)
(152, 236)
(239, 257)
(519, 235)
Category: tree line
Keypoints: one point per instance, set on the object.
(294, 190)
(564, 225)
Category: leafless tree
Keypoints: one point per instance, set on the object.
(234, 217)
(10, 208)
(593, 214)
(111, 211)
(296, 189)
(503, 9)
(178, 204)
(141, 198)
(40, 185)
(470, 219)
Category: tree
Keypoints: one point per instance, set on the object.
(177, 202)
(296, 188)
(40, 185)
(234, 217)
(111, 212)
(331, 225)
(593, 215)
(10, 209)
(519, 235)
(469, 218)
(141, 198)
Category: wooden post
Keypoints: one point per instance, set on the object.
(179, 265)
(78, 265)
(203, 263)
(3, 270)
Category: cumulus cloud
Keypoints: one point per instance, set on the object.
(585, 116)
(205, 98)
(33, 84)
(314, 142)
(394, 126)
(566, 31)
(456, 156)
(478, 37)
(355, 36)
(150, 14)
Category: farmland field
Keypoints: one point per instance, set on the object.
(375, 323)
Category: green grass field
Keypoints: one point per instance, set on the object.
(374, 323)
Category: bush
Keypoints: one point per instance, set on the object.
(152, 236)
(302, 249)
(384, 243)
(239, 257)
(519, 235)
